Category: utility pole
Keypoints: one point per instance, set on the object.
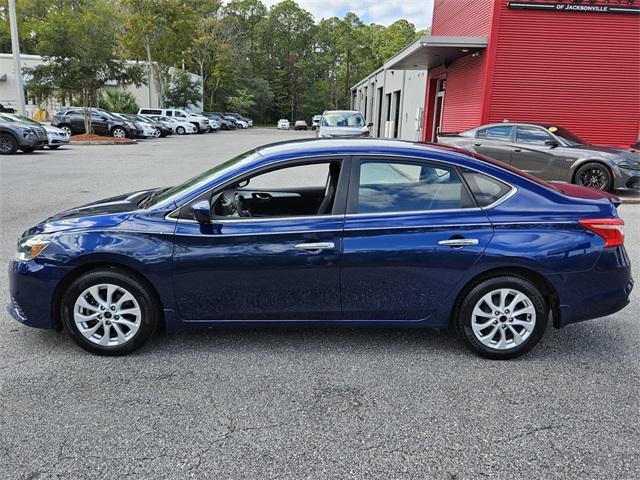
(15, 48)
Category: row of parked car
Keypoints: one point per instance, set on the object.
(18, 132)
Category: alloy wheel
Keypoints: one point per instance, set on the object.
(119, 133)
(594, 177)
(6, 146)
(107, 315)
(503, 319)
(157, 133)
(66, 130)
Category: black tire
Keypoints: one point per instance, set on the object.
(594, 175)
(180, 131)
(464, 317)
(8, 144)
(118, 132)
(54, 147)
(28, 149)
(149, 308)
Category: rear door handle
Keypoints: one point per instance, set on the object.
(517, 149)
(477, 144)
(315, 247)
(459, 242)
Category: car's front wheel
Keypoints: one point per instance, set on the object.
(109, 312)
(119, 132)
(8, 144)
(180, 131)
(502, 317)
(594, 175)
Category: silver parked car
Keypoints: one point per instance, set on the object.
(342, 124)
(551, 152)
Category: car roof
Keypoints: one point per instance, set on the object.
(524, 124)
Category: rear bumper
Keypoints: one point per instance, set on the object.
(602, 291)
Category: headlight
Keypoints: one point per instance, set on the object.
(27, 132)
(630, 165)
(31, 247)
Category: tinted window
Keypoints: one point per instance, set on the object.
(389, 186)
(532, 135)
(342, 119)
(150, 111)
(502, 132)
(484, 188)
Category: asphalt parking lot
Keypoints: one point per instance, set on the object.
(297, 403)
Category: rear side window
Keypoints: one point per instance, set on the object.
(502, 132)
(391, 186)
(148, 111)
(484, 188)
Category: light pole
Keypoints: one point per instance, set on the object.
(15, 48)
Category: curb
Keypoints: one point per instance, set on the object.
(631, 201)
(132, 142)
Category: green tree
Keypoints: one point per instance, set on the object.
(118, 101)
(78, 44)
(182, 91)
(242, 102)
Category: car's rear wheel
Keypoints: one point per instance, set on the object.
(8, 144)
(594, 175)
(502, 317)
(109, 312)
(118, 132)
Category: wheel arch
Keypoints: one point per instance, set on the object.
(100, 264)
(546, 288)
(576, 166)
(11, 134)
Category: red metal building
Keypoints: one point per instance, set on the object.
(575, 63)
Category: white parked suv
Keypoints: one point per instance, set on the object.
(283, 124)
(199, 121)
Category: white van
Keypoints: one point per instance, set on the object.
(199, 121)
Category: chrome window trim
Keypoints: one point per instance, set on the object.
(502, 199)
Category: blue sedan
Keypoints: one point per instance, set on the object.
(357, 232)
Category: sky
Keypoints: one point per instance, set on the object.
(383, 12)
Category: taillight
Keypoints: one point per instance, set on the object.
(610, 229)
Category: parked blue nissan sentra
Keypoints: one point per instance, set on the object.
(357, 232)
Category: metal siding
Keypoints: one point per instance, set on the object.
(464, 93)
(578, 70)
(462, 17)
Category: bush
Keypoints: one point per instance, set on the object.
(118, 101)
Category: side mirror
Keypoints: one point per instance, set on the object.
(551, 143)
(202, 211)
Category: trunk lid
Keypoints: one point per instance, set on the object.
(586, 193)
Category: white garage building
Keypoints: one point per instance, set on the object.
(393, 101)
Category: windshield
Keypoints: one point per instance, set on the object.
(204, 177)
(342, 119)
(6, 119)
(25, 119)
(568, 137)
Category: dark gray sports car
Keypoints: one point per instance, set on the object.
(551, 152)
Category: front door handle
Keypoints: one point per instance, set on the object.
(517, 149)
(477, 144)
(315, 247)
(459, 242)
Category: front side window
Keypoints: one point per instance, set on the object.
(532, 135)
(502, 132)
(392, 186)
(299, 190)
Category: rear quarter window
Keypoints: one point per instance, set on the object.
(485, 189)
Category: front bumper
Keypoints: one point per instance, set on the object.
(57, 140)
(31, 289)
(627, 179)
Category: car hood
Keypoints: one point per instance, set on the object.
(103, 213)
(627, 153)
(53, 129)
(344, 131)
